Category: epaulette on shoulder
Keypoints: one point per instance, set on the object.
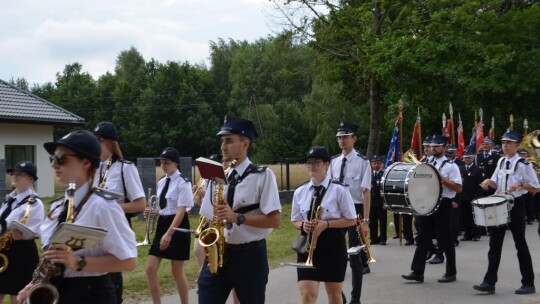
(339, 183)
(32, 199)
(257, 169)
(125, 161)
(337, 155)
(184, 178)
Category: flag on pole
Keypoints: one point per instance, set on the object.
(393, 154)
(491, 133)
(450, 131)
(472, 142)
(461, 140)
(417, 138)
(479, 130)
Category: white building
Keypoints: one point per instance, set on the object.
(26, 123)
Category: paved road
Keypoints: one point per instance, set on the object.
(384, 284)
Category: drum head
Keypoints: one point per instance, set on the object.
(424, 189)
(492, 200)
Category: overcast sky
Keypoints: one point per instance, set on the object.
(38, 38)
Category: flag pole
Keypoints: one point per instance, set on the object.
(511, 122)
(418, 119)
(400, 122)
(452, 134)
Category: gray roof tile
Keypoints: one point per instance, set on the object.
(17, 105)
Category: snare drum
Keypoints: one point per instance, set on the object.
(412, 188)
(492, 211)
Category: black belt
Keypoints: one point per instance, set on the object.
(167, 216)
(246, 246)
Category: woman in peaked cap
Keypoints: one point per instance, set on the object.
(74, 159)
(22, 205)
(175, 200)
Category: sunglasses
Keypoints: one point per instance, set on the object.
(60, 159)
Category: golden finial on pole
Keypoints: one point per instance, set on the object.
(511, 122)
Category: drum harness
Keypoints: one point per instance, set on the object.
(507, 172)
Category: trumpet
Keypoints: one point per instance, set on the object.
(152, 215)
(364, 240)
(197, 198)
(43, 292)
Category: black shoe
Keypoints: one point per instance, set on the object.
(409, 243)
(476, 238)
(429, 255)
(436, 260)
(465, 238)
(366, 270)
(447, 278)
(374, 243)
(526, 289)
(413, 276)
(485, 287)
(456, 243)
(529, 222)
(395, 237)
(382, 243)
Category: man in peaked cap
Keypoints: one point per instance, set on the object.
(516, 177)
(253, 208)
(487, 159)
(451, 154)
(472, 176)
(354, 170)
(377, 216)
(439, 220)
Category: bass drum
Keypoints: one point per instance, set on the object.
(411, 188)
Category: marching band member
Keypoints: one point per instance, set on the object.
(472, 176)
(377, 217)
(120, 176)
(515, 176)
(253, 209)
(438, 221)
(354, 170)
(76, 156)
(22, 255)
(330, 255)
(175, 200)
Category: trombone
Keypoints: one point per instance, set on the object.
(152, 214)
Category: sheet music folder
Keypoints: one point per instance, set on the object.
(211, 170)
(78, 236)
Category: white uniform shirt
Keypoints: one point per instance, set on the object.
(336, 203)
(178, 195)
(35, 216)
(132, 181)
(255, 188)
(522, 174)
(357, 174)
(450, 171)
(98, 212)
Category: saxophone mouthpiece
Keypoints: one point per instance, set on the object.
(71, 187)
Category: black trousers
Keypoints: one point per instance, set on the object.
(407, 226)
(466, 210)
(87, 290)
(517, 227)
(439, 222)
(357, 262)
(377, 218)
(245, 269)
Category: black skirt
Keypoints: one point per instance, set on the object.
(23, 258)
(329, 258)
(180, 242)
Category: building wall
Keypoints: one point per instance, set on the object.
(31, 135)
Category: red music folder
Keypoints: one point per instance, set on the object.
(211, 170)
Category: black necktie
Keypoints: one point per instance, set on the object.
(6, 213)
(162, 199)
(316, 201)
(341, 176)
(63, 215)
(232, 180)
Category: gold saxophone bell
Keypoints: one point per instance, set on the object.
(364, 240)
(4, 262)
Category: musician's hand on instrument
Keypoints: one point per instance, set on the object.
(164, 242)
(485, 184)
(308, 225)
(16, 234)
(62, 254)
(365, 227)
(320, 226)
(224, 212)
(146, 212)
(23, 294)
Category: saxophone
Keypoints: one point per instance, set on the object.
(7, 238)
(43, 292)
(212, 238)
